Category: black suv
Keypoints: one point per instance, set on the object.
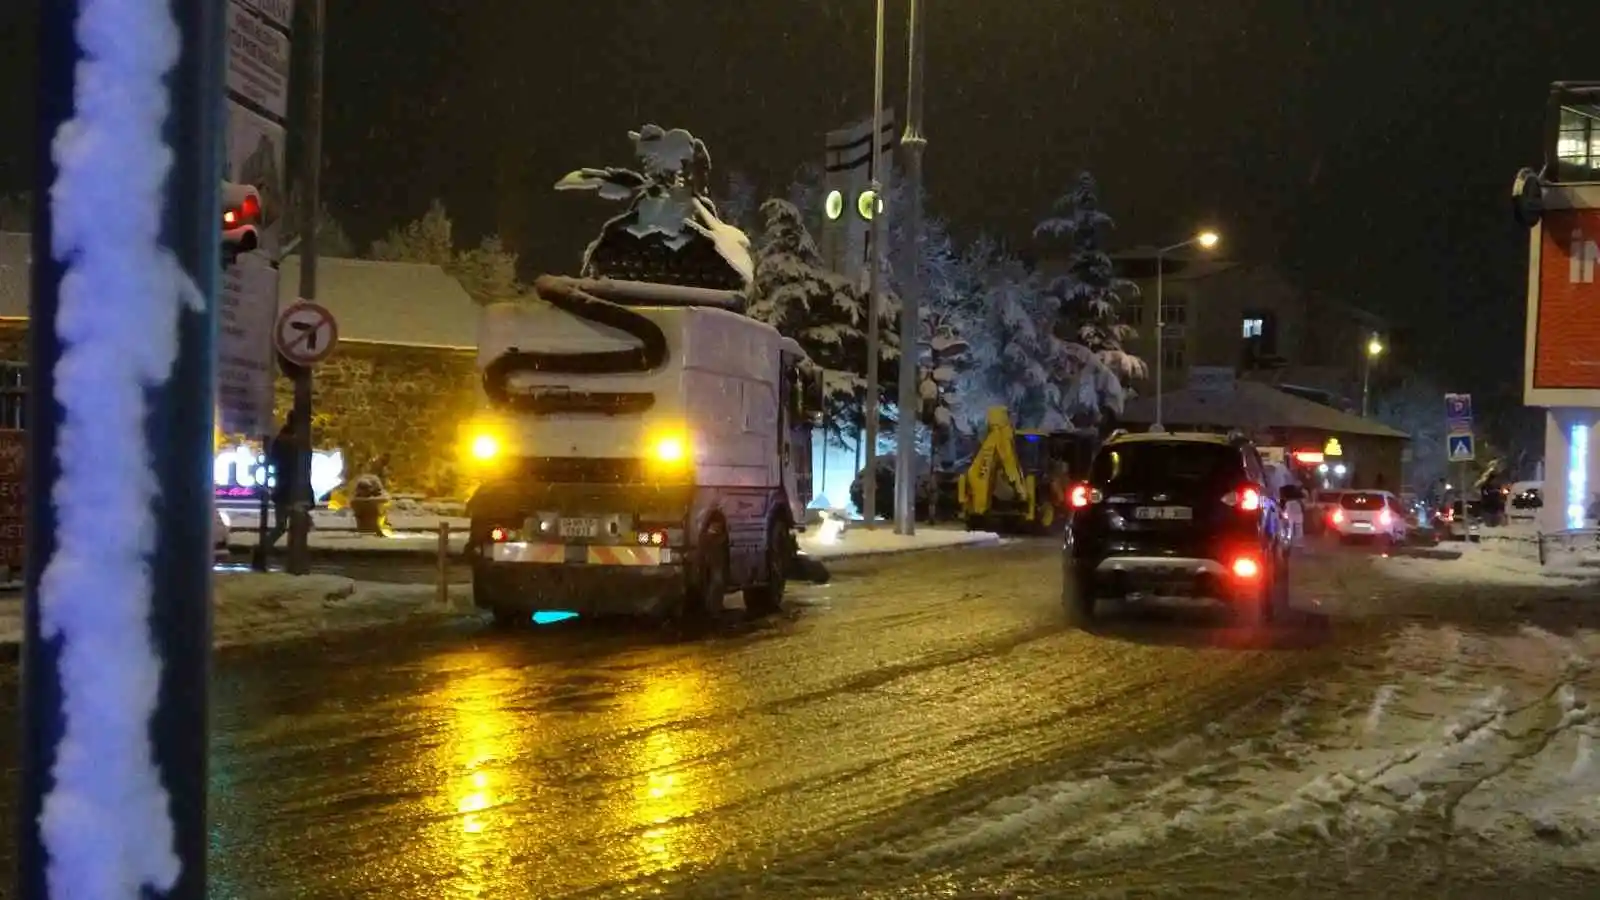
(1177, 515)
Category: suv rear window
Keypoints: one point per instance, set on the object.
(1149, 466)
(1366, 502)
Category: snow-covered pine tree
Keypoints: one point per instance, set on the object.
(1091, 294)
(1017, 362)
(822, 311)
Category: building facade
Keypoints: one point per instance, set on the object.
(1249, 318)
(395, 392)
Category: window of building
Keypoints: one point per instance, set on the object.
(1175, 314)
(1172, 358)
(1578, 143)
(1253, 326)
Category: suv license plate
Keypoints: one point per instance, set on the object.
(580, 528)
(1164, 513)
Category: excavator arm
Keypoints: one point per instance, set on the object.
(976, 487)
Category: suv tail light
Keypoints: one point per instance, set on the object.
(1081, 495)
(1336, 517)
(1245, 567)
(1245, 499)
(1385, 518)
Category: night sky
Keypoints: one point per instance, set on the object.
(1365, 147)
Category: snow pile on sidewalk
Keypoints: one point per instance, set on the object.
(1486, 741)
(825, 540)
(405, 519)
(257, 608)
(410, 542)
(1488, 564)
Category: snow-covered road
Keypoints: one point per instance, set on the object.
(925, 726)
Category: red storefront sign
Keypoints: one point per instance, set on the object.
(1566, 309)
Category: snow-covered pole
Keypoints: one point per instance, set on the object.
(869, 484)
(906, 469)
(116, 646)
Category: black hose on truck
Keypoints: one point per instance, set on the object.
(570, 296)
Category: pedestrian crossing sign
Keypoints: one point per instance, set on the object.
(1460, 447)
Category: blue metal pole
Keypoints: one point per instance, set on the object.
(179, 428)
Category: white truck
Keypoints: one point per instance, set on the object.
(646, 452)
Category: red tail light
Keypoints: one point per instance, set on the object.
(1245, 567)
(1336, 517)
(1078, 496)
(499, 535)
(1245, 499)
(1385, 518)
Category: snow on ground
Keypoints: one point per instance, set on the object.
(411, 518)
(1483, 740)
(1480, 564)
(825, 540)
(255, 608)
(410, 542)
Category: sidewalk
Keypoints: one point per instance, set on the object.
(816, 541)
(253, 608)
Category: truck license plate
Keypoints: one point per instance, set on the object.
(580, 528)
(1164, 513)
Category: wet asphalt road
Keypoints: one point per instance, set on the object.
(579, 762)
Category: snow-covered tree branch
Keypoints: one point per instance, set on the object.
(487, 272)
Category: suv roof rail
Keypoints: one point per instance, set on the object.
(1116, 433)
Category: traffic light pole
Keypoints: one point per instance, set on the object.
(178, 440)
(302, 493)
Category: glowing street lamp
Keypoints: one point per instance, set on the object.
(1205, 240)
(1374, 350)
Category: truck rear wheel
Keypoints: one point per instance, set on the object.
(765, 599)
(708, 580)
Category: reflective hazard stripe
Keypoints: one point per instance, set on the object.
(624, 556)
(529, 553)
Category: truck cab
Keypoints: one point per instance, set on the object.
(645, 451)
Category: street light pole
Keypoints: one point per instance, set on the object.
(1374, 348)
(1206, 240)
(1161, 326)
(906, 468)
(869, 486)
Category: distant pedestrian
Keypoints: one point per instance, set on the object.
(283, 457)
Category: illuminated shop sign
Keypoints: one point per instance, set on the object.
(240, 472)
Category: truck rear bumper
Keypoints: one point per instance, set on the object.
(587, 580)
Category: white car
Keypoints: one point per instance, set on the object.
(1368, 515)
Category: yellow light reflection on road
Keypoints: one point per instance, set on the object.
(471, 836)
(671, 785)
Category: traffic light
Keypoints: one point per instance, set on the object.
(241, 217)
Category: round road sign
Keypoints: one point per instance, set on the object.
(306, 333)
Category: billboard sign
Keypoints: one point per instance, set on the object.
(1563, 331)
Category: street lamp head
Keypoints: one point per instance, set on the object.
(1374, 346)
(1208, 239)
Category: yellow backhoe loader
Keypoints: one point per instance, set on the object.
(1017, 480)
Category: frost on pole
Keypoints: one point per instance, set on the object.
(105, 823)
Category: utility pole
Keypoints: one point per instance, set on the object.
(906, 468)
(300, 494)
(178, 443)
(869, 485)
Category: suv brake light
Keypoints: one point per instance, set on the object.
(1245, 499)
(1245, 567)
(1384, 518)
(1336, 517)
(1081, 495)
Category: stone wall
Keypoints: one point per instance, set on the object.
(408, 403)
(375, 399)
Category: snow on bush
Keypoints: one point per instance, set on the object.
(105, 823)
